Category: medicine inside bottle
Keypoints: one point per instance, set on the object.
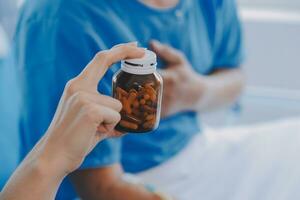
(138, 86)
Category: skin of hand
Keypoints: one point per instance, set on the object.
(186, 90)
(83, 118)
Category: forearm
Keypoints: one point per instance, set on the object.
(127, 191)
(107, 183)
(34, 179)
(222, 88)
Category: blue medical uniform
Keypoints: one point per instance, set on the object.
(56, 39)
(9, 113)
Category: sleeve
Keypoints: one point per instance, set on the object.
(49, 53)
(228, 48)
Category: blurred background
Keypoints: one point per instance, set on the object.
(272, 35)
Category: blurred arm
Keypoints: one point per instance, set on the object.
(221, 88)
(197, 92)
(107, 183)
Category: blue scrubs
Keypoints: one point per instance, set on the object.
(56, 39)
(9, 111)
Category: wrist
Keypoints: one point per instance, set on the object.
(57, 153)
(34, 172)
(197, 93)
(47, 164)
(50, 159)
(203, 97)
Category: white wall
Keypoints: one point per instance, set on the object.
(272, 38)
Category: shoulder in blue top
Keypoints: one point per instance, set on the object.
(56, 39)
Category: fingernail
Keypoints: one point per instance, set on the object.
(156, 43)
(133, 43)
(141, 48)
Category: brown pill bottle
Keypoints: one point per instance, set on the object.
(138, 86)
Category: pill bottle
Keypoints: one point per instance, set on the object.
(138, 86)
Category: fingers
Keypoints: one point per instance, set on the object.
(108, 117)
(102, 133)
(129, 43)
(109, 130)
(83, 98)
(104, 101)
(109, 102)
(167, 53)
(115, 133)
(95, 115)
(96, 111)
(122, 52)
(96, 69)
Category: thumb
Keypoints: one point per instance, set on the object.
(95, 70)
(167, 53)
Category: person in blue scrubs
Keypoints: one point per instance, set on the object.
(200, 47)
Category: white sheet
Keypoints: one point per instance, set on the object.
(260, 162)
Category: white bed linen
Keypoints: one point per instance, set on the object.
(258, 162)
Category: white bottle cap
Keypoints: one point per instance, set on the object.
(145, 65)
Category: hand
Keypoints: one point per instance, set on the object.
(182, 85)
(84, 117)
